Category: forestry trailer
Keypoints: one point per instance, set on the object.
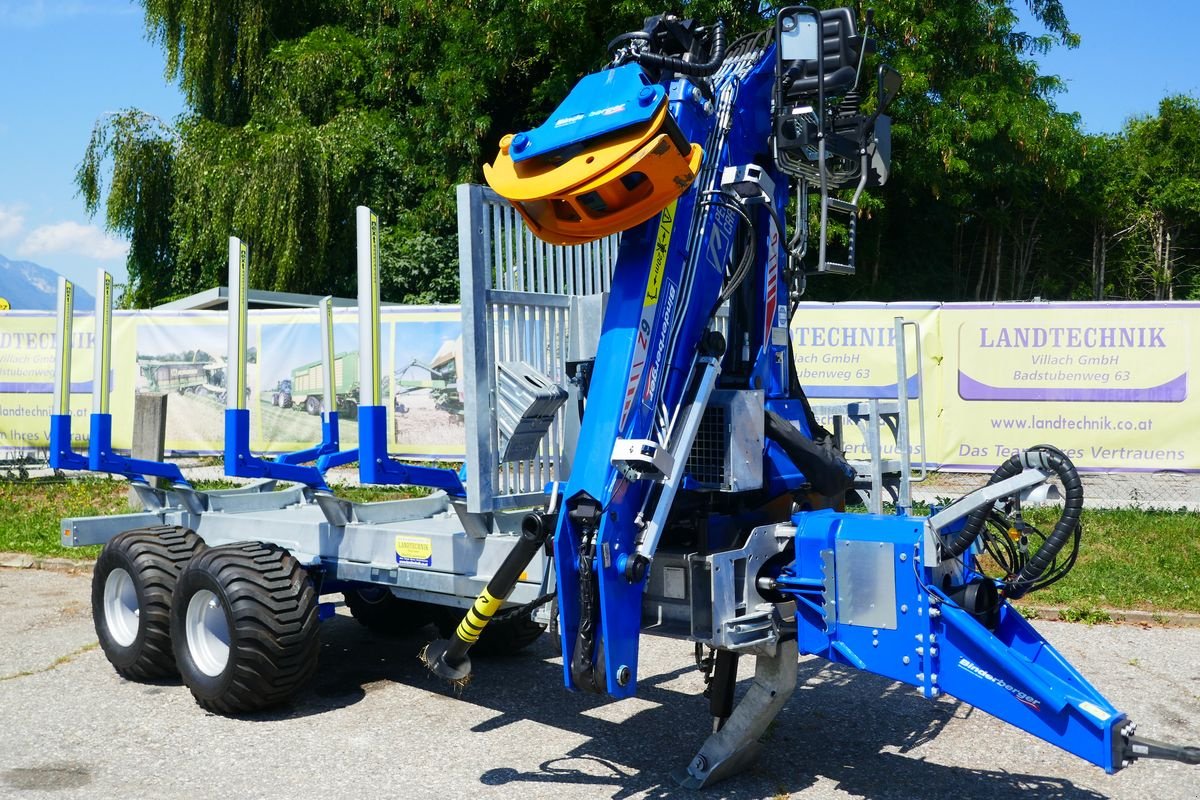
(631, 399)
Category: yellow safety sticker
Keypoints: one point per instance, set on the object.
(641, 344)
(658, 263)
(414, 550)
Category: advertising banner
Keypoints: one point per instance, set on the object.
(184, 355)
(1113, 385)
(28, 349)
(847, 352)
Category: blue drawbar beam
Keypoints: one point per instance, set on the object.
(866, 598)
(101, 457)
(61, 454)
(240, 463)
(375, 466)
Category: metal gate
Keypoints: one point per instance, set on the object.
(516, 302)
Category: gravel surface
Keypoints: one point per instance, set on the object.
(374, 724)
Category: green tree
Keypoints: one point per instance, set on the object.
(982, 157)
(301, 110)
(1163, 152)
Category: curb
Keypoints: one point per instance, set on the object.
(48, 563)
(1116, 616)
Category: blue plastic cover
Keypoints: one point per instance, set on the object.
(600, 103)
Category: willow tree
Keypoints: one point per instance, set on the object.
(299, 111)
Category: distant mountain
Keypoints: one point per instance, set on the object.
(31, 287)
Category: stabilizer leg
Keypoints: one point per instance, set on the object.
(734, 747)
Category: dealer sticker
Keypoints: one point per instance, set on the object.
(414, 550)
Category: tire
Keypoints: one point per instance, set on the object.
(244, 627)
(312, 404)
(132, 585)
(380, 611)
(500, 638)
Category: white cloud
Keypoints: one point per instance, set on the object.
(74, 239)
(11, 222)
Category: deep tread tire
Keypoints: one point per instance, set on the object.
(270, 612)
(153, 558)
(382, 612)
(500, 638)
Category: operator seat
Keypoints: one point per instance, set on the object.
(842, 46)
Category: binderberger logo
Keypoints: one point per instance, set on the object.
(979, 672)
(1067, 337)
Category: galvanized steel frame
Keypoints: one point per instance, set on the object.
(516, 292)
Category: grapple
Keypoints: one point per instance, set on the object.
(586, 172)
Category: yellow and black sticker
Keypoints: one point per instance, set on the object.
(478, 616)
(414, 550)
(64, 351)
(104, 338)
(658, 266)
(376, 362)
(658, 263)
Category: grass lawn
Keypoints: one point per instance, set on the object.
(1130, 559)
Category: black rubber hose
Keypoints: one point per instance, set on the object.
(1067, 523)
(820, 461)
(624, 38)
(975, 522)
(1039, 457)
(702, 70)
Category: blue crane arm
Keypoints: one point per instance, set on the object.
(669, 273)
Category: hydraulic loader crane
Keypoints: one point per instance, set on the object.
(690, 147)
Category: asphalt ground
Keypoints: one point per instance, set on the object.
(374, 724)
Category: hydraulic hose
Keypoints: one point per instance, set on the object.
(1042, 457)
(820, 461)
(701, 70)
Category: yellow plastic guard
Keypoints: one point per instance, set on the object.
(619, 182)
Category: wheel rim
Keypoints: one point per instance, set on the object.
(121, 612)
(374, 595)
(207, 633)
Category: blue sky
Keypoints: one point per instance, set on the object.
(65, 63)
(1132, 55)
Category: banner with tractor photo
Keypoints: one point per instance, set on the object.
(183, 354)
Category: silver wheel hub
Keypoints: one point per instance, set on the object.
(207, 633)
(121, 612)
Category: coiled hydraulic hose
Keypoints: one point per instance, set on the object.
(1046, 458)
(701, 70)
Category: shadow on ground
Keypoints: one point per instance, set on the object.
(842, 727)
